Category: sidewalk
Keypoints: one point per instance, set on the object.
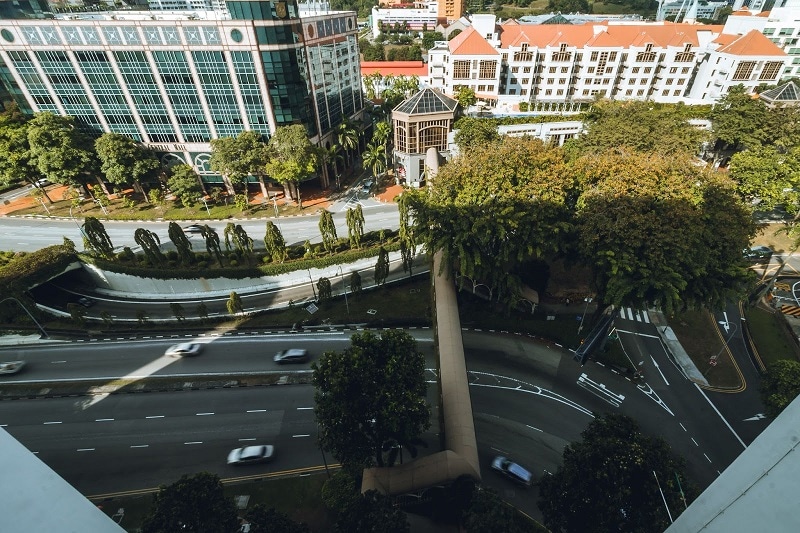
(676, 349)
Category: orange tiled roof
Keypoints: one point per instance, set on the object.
(624, 36)
(395, 68)
(764, 14)
(469, 42)
(741, 12)
(753, 43)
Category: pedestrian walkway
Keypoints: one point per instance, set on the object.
(628, 313)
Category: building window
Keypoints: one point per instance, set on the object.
(481, 88)
(640, 92)
(560, 92)
(669, 81)
(665, 92)
(512, 92)
(635, 70)
(488, 70)
(686, 56)
(523, 92)
(514, 69)
(460, 70)
(564, 70)
(629, 92)
(590, 70)
(552, 70)
(768, 31)
(526, 70)
(676, 93)
(612, 56)
(643, 81)
(631, 81)
(786, 31)
(648, 70)
(744, 70)
(562, 54)
(648, 56)
(685, 70)
(673, 70)
(770, 70)
(593, 57)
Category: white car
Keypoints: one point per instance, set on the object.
(186, 349)
(11, 367)
(250, 455)
(512, 470)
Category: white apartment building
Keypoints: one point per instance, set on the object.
(417, 19)
(559, 65)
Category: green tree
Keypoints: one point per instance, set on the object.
(177, 311)
(347, 135)
(330, 158)
(382, 137)
(476, 132)
(375, 52)
(780, 385)
(15, 165)
(292, 158)
(610, 481)
(372, 512)
(234, 303)
(739, 120)
(488, 512)
(408, 243)
(151, 246)
(211, 238)
(327, 228)
(194, 504)
(123, 160)
(236, 235)
(453, 34)
(375, 158)
(429, 38)
(372, 82)
(355, 282)
(388, 374)
(97, 238)
(274, 243)
(569, 6)
(238, 157)
(268, 520)
(646, 224)
(202, 311)
(58, 150)
(768, 177)
(465, 96)
(355, 225)
(324, 289)
(185, 185)
(182, 243)
(382, 266)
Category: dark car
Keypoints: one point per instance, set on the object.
(757, 253)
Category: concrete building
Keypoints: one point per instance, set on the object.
(175, 80)
(561, 65)
(450, 10)
(412, 19)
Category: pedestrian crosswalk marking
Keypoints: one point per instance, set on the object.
(791, 310)
(629, 313)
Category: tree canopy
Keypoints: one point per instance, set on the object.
(292, 157)
(194, 504)
(58, 150)
(612, 479)
(368, 394)
(123, 160)
(780, 385)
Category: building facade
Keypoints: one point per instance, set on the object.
(560, 65)
(177, 80)
(412, 19)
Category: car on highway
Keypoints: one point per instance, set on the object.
(11, 367)
(251, 455)
(185, 349)
(193, 228)
(512, 470)
(293, 355)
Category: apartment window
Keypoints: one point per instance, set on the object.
(648, 70)
(512, 92)
(648, 56)
(550, 81)
(514, 69)
(524, 47)
(606, 81)
(640, 92)
(643, 81)
(744, 70)
(460, 70)
(593, 57)
(559, 92)
(590, 70)
(631, 81)
(673, 70)
(612, 56)
(597, 81)
(562, 54)
(552, 70)
(526, 70)
(523, 92)
(526, 81)
(681, 82)
(676, 93)
(629, 92)
(770, 70)
(786, 31)
(686, 56)
(768, 31)
(488, 70)
(665, 92)
(669, 81)
(548, 92)
(635, 70)
(586, 92)
(564, 70)
(562, 80)
(685, 70)
(482, 88)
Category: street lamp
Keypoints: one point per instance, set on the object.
(274, 204)
(44, 333)
(344, 289)
(311, 280)
(203, 199)
(587, 300)
(75, 220)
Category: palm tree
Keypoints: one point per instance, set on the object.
(347, 135)
(382, 132)
(375, 158)
(330, 156)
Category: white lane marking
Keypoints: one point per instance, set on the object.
(600, 390)
(3, 425)
(537, 429)
(646, 317)
(682, 427)
(156, 416)
(695, 442)
(648, 390)
(140, 445)
(659, 370)
(637, 333)
(298, 436)
(630, 313)
(194, 442)
(203, 414)
(57, 362)
(244, 440)
(85, 449)
(709, 460)
(498, 450)
(104, 420)
(714, 407)
(46, 423)
(257, 411)
(304, 408)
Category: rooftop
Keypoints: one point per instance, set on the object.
(427, 101)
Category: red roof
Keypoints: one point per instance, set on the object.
(395, 68)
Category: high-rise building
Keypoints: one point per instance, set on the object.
(450, 10)
(175, 80)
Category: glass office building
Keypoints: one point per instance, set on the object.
(177, 80)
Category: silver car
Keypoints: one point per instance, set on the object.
(512, 470)
(186, 349)
(251, 454)
(11, 367)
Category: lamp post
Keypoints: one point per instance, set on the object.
(75, 220)
(274, 204)
(43, 205)
(203, 199)
(587, 300)
(344, 290)
(44, 333)
(311, 280)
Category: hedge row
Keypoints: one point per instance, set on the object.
(31, 269)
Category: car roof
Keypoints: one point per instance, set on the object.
(253, 451)
(518, 471)
(184, 346)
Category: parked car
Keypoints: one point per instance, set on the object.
(193, 228)
(11, 367)
(757, 253)
(512, 470)
(251, 455)
(293, 355)
(186, 349)
(44, 182)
